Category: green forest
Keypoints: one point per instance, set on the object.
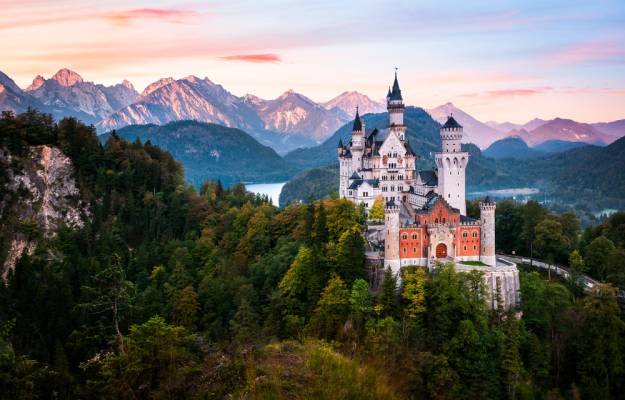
(168, 292)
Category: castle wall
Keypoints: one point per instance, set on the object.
(487, 216)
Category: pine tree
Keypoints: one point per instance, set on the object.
(244, 325)
(186, 309)
(511, 359)
(387, 298)
(350, 255)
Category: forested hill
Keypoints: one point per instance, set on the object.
(213, 152)
(155, 290)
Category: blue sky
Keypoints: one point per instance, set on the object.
(497, 60)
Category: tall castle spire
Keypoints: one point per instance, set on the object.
(395, 105)
(357, 123)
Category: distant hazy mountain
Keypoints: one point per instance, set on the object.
(515, 147)
(67, 90)
(557, 146)
(295, 114)
(614, 128)
(512, 147)
(475, 132)
(565, 130)
(347, 102)
(211, 151)
(509, 126)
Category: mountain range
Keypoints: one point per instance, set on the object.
(289, 121)
(285, 123)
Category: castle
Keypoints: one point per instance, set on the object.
(425, 217)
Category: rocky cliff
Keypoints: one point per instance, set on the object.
(38, 195)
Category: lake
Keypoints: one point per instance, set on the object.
(514, 193)
(270, 189)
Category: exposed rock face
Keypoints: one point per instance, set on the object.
(38, 197)
(67, 90)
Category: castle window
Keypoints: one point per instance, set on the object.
(404, 236)
(414, 249)
(443, 220)
(350, 192)
(465, 248)
(474, 234)
(414, 236)
(405, 250)
(436, 220)
(474, 247)
(464, 234)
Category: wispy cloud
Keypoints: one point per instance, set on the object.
(508, 93)
(123, 17)
(254, 58)
(161, 14)
(596, 50)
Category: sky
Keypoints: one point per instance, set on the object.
(503, 61)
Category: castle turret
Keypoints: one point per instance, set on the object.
(391, 236)
(487, 217)
(395, 105)
(358, 142)
(452, 163)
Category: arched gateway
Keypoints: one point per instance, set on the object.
(441, 250)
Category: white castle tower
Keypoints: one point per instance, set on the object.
(452, 163)
(358, 143)
(395, 107)
(391, 237)
(487, 215)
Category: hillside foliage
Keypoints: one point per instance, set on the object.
(172, 292)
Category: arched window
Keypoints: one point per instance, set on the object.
(404, 236)
(414, 236)
(414, 249)
(464, 234)
(405, 250)
(436, 220)
(474, 234)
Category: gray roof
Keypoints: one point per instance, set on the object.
(357, 123)
(451, 123)
(355, 185)
(464, 219)
(355, 176)
(429, 177)
(396, 92)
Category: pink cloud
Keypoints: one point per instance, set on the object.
(168, 15)
(598, 50)
(254, 58)
(506, 93)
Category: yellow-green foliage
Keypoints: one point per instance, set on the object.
(377, 210)
(313, 370)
